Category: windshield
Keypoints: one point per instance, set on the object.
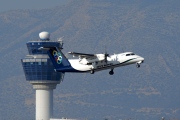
(130, 54)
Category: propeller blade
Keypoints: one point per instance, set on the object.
(106, 54)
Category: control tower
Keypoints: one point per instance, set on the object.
(39, 71)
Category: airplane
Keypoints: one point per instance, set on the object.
(91, 62)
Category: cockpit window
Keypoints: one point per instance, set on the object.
(130, 54)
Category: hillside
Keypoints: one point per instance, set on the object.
(148, 28)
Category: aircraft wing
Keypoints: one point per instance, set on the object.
(81, 55)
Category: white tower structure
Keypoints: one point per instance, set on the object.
(44, 100)
(39, 71)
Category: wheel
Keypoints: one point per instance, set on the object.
(138, 65)
(111, 72)
(92, 71)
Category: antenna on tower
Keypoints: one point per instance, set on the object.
(60, 40)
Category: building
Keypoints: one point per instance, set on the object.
(39, 71)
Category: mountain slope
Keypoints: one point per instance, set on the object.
(148, 28)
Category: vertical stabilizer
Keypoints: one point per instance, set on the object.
(58, 59)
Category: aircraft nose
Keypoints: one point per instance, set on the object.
(142, 59)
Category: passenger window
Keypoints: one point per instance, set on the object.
(127, 54)
(132, 54)
(89, 63)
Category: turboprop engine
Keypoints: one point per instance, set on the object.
(97, 58)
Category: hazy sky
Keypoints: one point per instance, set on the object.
(6, 5)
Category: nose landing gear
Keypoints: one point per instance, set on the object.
(137, 65)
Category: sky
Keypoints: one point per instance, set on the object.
(6, 5)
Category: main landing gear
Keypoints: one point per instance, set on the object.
(111, 72)
(92, 71)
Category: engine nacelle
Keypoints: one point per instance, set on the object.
(99, 57)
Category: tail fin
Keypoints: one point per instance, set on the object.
(58, 59)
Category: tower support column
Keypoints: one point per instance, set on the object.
(44, 100)
(44, 104)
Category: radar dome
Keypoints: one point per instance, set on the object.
(44, 35)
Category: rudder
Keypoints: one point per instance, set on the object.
(58, 59)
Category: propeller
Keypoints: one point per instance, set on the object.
(106, 55)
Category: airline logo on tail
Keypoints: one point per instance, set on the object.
(57, 56)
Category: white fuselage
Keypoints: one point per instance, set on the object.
(113, 61)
